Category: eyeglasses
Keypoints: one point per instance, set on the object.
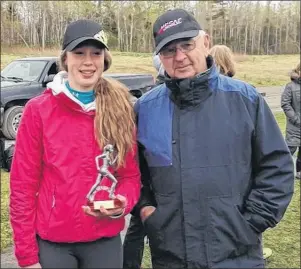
(184, 46)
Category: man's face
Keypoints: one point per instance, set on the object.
(184, 58)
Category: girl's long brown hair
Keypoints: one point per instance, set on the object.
(114, 121)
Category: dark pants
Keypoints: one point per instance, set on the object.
(133, 245)
(102, 253)
(298, 162)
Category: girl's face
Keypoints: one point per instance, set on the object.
(85, 65)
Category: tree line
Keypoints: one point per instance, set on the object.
(247, 27)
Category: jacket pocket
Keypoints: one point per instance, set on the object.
(230, 234)
(45, 207)
(53, 204)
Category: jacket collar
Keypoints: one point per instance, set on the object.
(191, 92)
(59, 90)
(66, 101)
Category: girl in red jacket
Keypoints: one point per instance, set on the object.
(60, 134)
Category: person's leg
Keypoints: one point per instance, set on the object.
(298, 161)
(133, 245)
(56, 255)
(298, 164)
(293, 150)
(102, 253)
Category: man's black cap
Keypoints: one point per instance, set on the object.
(174, 24)
(83, 30)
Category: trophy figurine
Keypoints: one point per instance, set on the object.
(103, 172)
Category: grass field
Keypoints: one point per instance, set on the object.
(284, 239)
(266, 70)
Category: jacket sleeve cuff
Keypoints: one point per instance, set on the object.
(256, 222)
(27, 261)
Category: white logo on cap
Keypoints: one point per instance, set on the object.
(169, 24)
(102, 37)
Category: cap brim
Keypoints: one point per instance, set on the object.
(187, 34)
(71, 46)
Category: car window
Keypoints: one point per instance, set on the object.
(26, 70)
(53, 69)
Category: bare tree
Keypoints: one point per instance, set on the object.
(246, 27)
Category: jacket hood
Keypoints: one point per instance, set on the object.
(58, 88)
(295, 77)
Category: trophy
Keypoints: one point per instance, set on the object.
(103, 172)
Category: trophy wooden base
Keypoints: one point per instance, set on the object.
(108, 204)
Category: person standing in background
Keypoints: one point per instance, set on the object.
(224, 60)
(159, 67)
(291, 105)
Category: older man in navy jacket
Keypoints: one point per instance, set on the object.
(216, 170)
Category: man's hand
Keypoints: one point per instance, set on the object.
(146, 211)
(296, 121)
(120, 202)
(37, 265)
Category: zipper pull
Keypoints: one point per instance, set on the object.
(53, 201)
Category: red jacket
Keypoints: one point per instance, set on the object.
(52, 171)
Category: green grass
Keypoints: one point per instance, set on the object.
(266, 70)
(260, 71)
(284, 239)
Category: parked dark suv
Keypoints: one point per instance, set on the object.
(26, 78)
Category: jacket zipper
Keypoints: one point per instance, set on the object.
(181, 208)
(53, 198)
(52, 206)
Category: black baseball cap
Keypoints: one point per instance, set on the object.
(174, 24)
(83, 30)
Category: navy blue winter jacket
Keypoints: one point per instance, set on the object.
(216, 167)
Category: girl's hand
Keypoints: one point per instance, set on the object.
(120, 202)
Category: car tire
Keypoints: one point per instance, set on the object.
(11, 121)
